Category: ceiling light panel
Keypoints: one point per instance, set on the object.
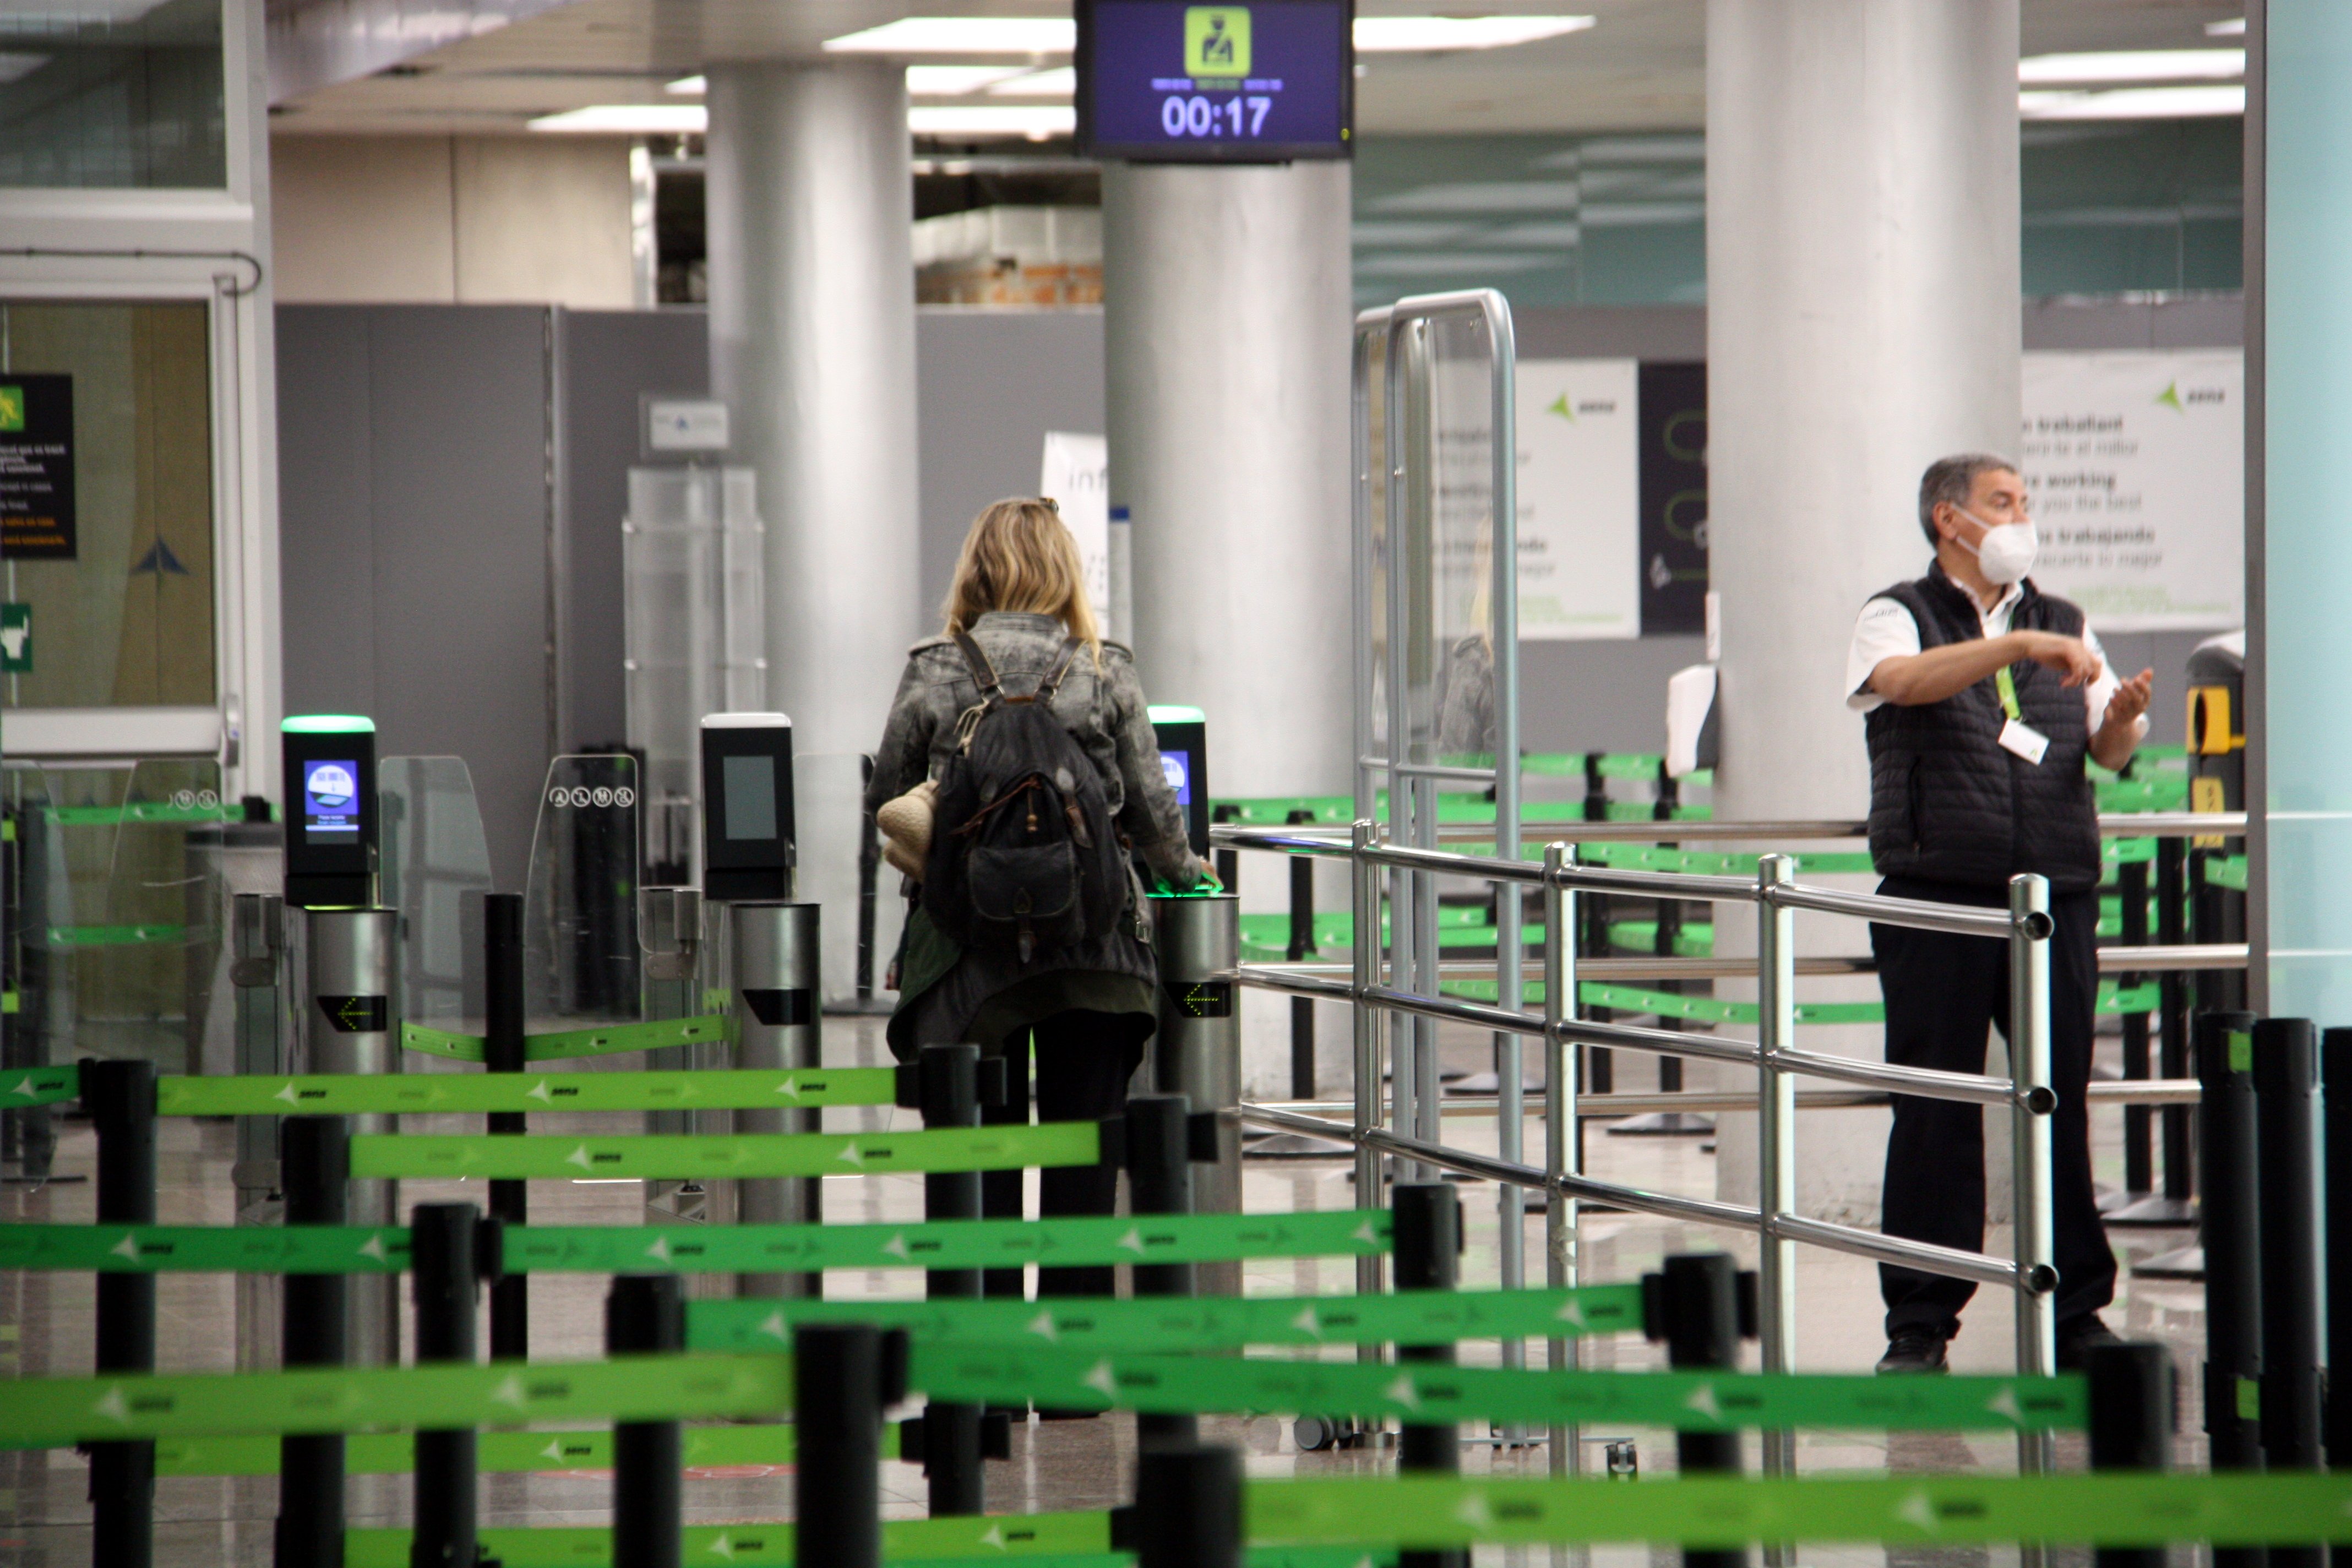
(2134, 103)
(1034, 121)
(954, 81)
(629, 120)
(1429, 35)
(962, 36)
(2134, 65)
(687, 86)
(1062, 82)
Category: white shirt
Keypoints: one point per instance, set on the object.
(1885, 629)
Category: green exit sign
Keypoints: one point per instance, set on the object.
(15, 639)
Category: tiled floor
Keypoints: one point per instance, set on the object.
(46, 1327)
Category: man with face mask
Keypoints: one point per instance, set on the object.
(1983, 696)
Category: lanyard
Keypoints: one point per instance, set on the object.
(2008, 688)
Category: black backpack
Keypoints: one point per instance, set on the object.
(1024, 858)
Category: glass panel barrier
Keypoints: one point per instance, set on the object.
(581, 960)
(435, 866)
(150, 966)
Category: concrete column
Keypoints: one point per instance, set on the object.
(1226, 309)
(1862, 320)
(812, 348)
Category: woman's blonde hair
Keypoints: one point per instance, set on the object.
(1020, 555)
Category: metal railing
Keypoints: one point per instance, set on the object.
(2030, 1271)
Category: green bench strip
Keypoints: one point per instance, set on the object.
(1029, 1537)
(2105, 1509)
(394, 1453)
(354, 1095)
(682, 1157)
(21, 1086)
(1422, 1317)
(59, 1412)
(564, 1044)
(1702, 1402)
(205, 1250)
(945, 1244)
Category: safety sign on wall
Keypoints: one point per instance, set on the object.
(37, 468)
(2136, 463)
(1579, 494)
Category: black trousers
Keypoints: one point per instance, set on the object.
(1083, 1062)
(1942, 993)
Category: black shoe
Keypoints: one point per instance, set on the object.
(1914, 1348)
(2077, 1336)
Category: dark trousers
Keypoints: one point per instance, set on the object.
(1083, 1062)
(1942, 993)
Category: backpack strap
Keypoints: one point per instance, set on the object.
(1054, 677)
(983, 672)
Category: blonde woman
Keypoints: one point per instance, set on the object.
(1019, 594)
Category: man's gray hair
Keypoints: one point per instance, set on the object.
(1951, 479)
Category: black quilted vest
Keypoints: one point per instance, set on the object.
(1947, 802)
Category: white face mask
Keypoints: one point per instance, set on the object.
(2006, 552)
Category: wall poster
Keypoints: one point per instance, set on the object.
(1579, 494)
(2136, 463)
(36, 468)
(1076, 475)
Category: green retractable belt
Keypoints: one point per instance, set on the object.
(668, 1157)
(393, 1094)
(500, 1453)
(565, 1044)
(21, 1086)
(205, 1250)
(1029, 1537)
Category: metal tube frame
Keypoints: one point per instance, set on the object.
(1412, 1133)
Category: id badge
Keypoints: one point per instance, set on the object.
(2025, 741)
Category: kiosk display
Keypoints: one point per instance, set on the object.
(1182, 734)
(1164, 82)
(747, 806)
(331, 809)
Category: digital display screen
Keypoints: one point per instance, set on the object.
(1178, 767)
(1266, 82)
(750, 790)
(331, 801)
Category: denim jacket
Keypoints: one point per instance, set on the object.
(1103, 710)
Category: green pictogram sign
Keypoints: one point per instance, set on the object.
(1216, 41)
(15, 638)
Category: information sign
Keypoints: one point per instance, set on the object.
(36, 468)
(1161, 80)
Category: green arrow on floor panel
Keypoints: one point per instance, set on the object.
(394, 1453)
(563, 1044)
(59, 1412)
(1030, 1537)
(356, 1095)
(1203, 1323)
(202, 1249)
(21, 1086)
(2107, 1509)
(668, 1157)
(1688, 1400)
(946, 1243)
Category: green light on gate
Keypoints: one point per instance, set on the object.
(1170, 713)
(328, 724)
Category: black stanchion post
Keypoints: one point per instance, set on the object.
(120, 1099)
(503, 1051)
(1428, 1256)
(1302, 946)
(2173, 1044)
(2131, 1426)
(2284, 1075)
(1229, 861)
(949, 1084)
(2335, 1069)
(844, 1375)
(443, 1239)
(1159, 1181)
(1699, 1302)
(646, 1313)
(2227, 1222)
(1187, 1508)
(315, 1169)
(2139, 1150)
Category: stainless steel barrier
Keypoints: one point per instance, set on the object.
(1409, 1132)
